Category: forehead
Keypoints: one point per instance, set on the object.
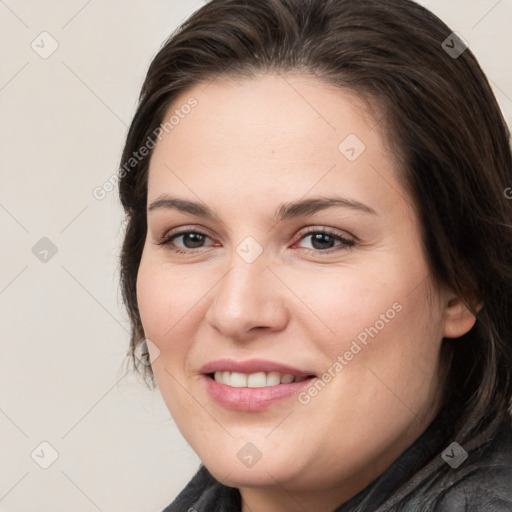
(256, 110)
(273, 135)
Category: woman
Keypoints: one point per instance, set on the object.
(317, 258)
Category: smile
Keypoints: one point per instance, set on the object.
(255, 380)
(244, 396)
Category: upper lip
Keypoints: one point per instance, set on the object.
(251, 366)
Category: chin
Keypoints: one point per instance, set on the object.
(259, 475)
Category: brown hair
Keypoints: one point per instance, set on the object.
(441, 117)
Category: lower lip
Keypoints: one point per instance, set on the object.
(252, 399)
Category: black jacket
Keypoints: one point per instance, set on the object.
(412, 483)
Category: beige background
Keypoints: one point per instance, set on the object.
(63, 330)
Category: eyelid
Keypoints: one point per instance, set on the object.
(345, 242)
(186, 229)
(327, 230)
(165, 239)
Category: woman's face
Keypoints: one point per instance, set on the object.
(257, 281)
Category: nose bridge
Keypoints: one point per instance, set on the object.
(248, 295)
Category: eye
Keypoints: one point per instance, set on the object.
(191, 240)
(324, 239)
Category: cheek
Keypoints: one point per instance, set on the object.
(150, 300)
(345, 304)
(163, 301)
(165, 308)
(377, 319)
(391, 364)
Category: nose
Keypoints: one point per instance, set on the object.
(248, 300)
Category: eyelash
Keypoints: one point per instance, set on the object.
(346, 243)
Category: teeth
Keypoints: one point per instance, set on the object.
(286, 379)
(255, 380)
(273, 378)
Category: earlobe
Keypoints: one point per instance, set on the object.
(458, 319)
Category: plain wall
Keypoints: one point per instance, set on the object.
(64, 332)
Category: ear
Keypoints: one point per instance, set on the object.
(458, 319)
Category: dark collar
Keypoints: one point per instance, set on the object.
(424, 449)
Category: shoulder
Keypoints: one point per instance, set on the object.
(481, 482)
(204, 493)
(196, 487)
(484, 481)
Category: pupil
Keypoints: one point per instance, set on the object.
(196, 238)
(318, 238)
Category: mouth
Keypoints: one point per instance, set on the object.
(254, 392)
(257, 379)
(253, 384)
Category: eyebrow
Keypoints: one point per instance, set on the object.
(285, 211)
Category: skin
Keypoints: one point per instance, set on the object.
(245, 148)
